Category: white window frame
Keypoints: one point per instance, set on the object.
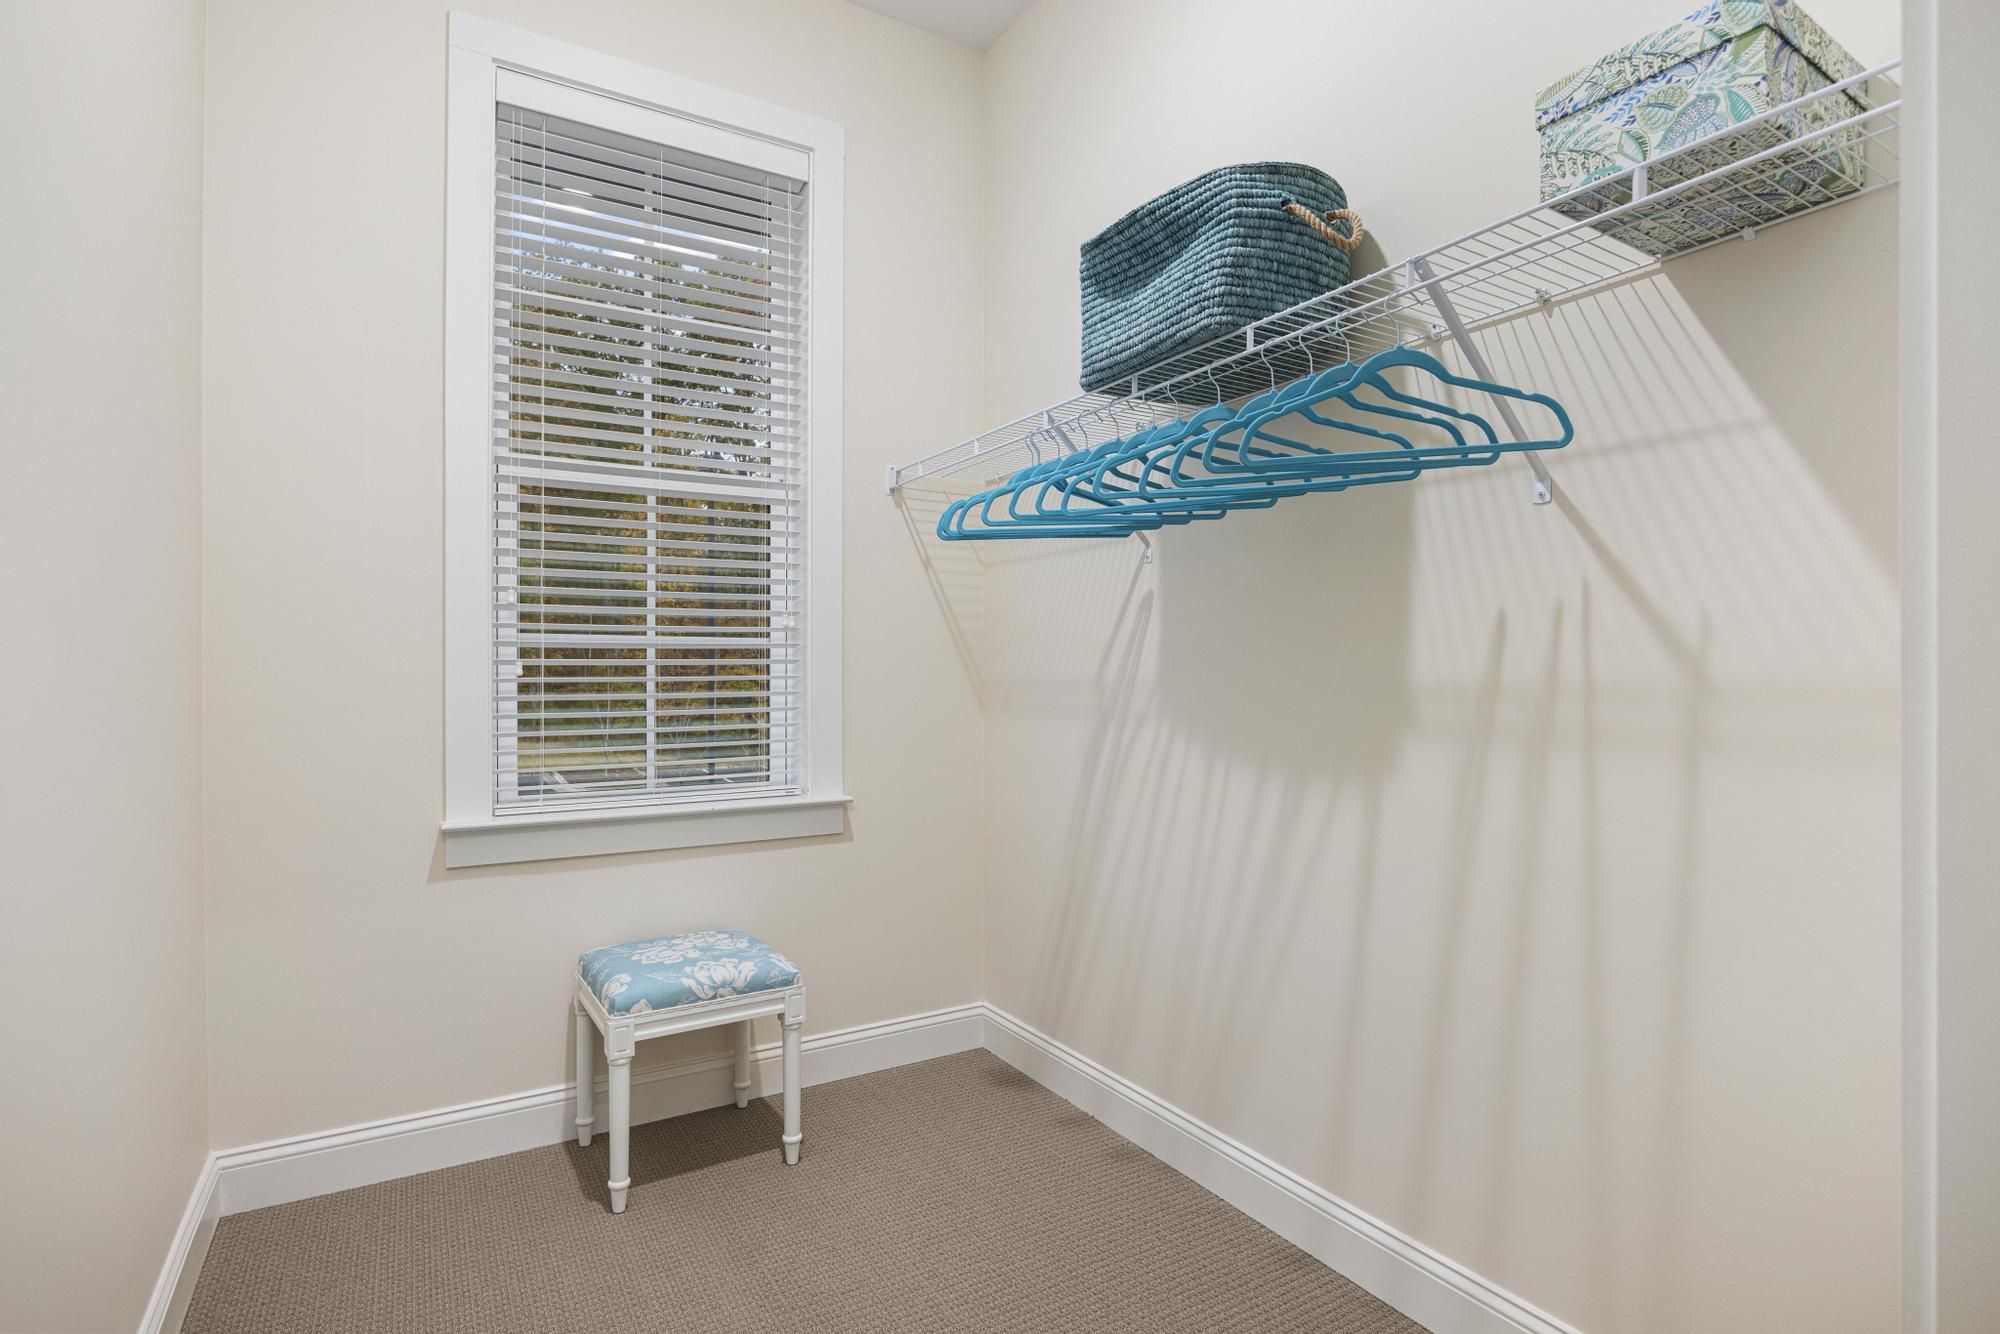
(474, 835)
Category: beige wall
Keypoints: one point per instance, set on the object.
(1527, 877)
(351, 977)
(103, 1091)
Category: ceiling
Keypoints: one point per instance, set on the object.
(973, 23)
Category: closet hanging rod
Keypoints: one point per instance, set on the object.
(1532, 259)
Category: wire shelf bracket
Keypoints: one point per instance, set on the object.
(1603, 233)
(1422, 276)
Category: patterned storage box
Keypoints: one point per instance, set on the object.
(1201, 261)
(1726, 63)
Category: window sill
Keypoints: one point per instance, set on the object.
(498, 839)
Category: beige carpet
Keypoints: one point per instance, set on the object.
(953, 1195)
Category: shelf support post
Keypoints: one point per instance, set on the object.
(1422, 275)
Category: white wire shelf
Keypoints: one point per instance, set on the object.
(1661, 209)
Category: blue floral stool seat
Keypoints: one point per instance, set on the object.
(675, 984)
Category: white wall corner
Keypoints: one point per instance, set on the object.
(174, 1288)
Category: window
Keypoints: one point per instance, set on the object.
(642, 466)
(648, 353)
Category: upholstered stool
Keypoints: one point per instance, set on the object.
(675, 984)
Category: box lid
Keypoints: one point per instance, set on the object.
(1713, 25)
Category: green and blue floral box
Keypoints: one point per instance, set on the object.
(1728, 62)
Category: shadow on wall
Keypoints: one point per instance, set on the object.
(1286, 633)
(1163, 717)
(1783, 345)
(952, 569)
(1436, 820)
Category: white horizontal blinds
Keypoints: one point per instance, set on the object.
(648, 407)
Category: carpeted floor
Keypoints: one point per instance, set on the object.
(952, 1195)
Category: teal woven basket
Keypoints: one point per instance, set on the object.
(1206, 258)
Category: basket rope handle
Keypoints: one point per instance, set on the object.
(1324, 224)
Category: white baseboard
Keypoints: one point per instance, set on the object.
(296, 1169)
(1429, 1288)
(175, 1287)
(1436, 1292)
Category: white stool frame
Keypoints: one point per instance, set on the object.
(624, 1032)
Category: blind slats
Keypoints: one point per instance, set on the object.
(552, 137)
(671, 383)
(773, 378)
(691, 211)
(557, 419)
(622, 294)
(648, 318)
(721, 356)
(548, 429)
(716, 289)
(613, 239)
(674, 306)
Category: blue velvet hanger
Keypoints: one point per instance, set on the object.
(1147, 481)
(1055, 486)
(1238, 435)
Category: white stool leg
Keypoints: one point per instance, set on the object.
(586, 1073)
(621, 1124)
(743, 1064)
(791, 1136)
